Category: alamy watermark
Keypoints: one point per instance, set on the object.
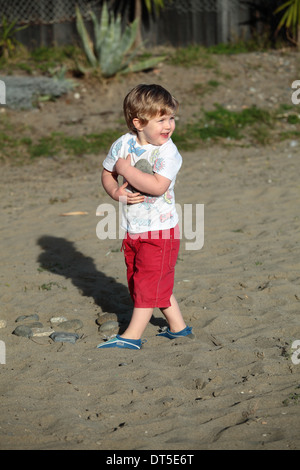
(296, 94)
(296, 353)
(2, 92)
(2, 353)
(296, 344)
(191, 224)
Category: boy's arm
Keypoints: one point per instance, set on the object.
(155, 184)
(110, 183)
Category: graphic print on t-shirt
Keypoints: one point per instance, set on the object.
(156, 212)
(133, 149)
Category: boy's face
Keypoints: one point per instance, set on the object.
(157, 131)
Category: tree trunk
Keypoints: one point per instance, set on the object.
(138, 15)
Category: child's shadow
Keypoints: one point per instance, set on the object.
(60, 257)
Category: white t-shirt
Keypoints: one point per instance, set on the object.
(155, 213)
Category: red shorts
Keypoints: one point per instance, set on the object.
(150, 258)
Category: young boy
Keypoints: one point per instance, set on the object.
(149, 215)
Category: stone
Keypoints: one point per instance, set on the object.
(105, 317)
(55, 320)
(108, 326)
(22, 91)
(200, 383)
(64, 337)
(145, 167)
(35, 324)
(23, 330)
(70, 325)
(39, 332)
(3, 323)
(33, 317)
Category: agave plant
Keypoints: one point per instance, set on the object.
(291, 20)
(113, 50)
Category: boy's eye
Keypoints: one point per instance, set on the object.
(164, 119)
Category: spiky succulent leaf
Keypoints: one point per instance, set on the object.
(85, 38)
(142, 65)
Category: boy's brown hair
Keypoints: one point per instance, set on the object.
(145, 102)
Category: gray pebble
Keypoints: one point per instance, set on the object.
(55, 320)
(3, 323)
(144, 166)
(42, 331)
(108, 326)
(35, 324)
(64, 337)
(70, 325)
(105, 317)
(23, 330)
(33, 317)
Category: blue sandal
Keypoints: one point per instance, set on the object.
(187, 331)
(119, 342)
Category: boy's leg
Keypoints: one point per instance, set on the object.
(141, 317)
(139, 320)
(151, 260)
(129, 249)
(174, 316)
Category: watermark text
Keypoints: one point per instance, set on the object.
(2, 353)
(191, 223)
(2, 92)
(296, 94)
(296, 353)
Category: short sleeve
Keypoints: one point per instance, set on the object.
(168, 161)
(113, 155)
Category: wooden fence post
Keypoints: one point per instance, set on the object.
(223, 23)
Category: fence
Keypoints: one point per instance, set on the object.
(180, 23)
(44, 11)
(204, 22)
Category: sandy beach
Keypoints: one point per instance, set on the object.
(235, 386)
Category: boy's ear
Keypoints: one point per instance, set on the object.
(137, 124)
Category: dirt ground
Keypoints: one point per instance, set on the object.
(261, 79)
(235, 386)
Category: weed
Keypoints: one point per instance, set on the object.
(289, 135)
(46, 59)
(254, 124)
(58, 143)
(203, 88)
(48, 286)
(293, 119)
(192, 55)
(261, 134)
(292, 399)
(223, 123)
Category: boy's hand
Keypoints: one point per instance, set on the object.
(127, 197)
(122, 164)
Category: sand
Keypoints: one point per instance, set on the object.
(235, 386)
